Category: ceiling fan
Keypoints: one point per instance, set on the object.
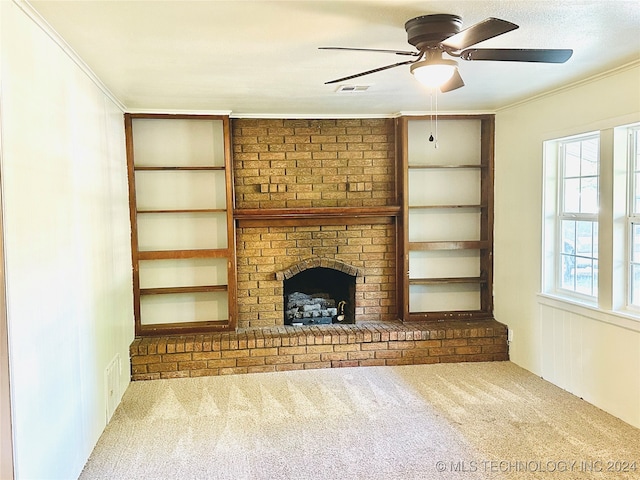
(435, 35)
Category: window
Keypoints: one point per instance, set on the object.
(634, 216)
(591, 229)
(577, 216)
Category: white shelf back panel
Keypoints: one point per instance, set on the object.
(458, 142)
(178, 142)
(447, 186)
(183, 307)
(185, 272)
(182, 231)
(444, 263)
(440, 225)
(176, 190)
(444, 298)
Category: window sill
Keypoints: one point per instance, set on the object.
(619, 319)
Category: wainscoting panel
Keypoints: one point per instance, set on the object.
(585, 352)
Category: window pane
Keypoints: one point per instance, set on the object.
(580, 176)
(569, 237)
(572, 159)
(589, 195)
(636, 134)
(584, 275)
(633, 212)
(577, 262)
(578, 259)
(635, 285)
(635, 244)
(572, 195)
(590, 157)
(585, 239)
(636, 190)
(568, 279)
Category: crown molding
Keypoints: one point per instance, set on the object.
(28, 10)
(155, 111)
(573, 85)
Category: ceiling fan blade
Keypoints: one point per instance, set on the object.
(454, 83)
(397, 52)
(481, 31)
(361, 74)
(517, 55)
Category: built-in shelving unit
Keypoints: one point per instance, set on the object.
(183, 241)
(446, 245)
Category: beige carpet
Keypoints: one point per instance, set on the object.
(446, 421)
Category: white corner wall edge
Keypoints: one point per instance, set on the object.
(28, 9)
(6, 432)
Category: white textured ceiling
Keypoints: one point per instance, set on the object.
(261, 57)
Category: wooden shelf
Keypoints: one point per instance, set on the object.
(179, 254)
(195, 289)
(174, 144)
(183, 328)
(447, 316)
(472, 156)
(411, 167)
(138, 168)
(418, 207)
(256, 217)
(314, 212)
(185, 210)
(450, 245)
(445, 281)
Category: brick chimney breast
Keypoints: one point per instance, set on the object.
(314, 164)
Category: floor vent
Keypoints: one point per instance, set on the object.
(112, 386)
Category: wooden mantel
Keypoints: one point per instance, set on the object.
(258, 217)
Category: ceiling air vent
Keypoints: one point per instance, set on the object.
(352, 88)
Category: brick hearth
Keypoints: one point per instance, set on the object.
(323, 346)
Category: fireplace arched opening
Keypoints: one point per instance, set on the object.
(319, 295)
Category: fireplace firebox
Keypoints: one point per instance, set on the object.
(318, 296)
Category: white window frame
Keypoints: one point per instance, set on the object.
(616, 216)
(554, 215)
(562, 215)
(632, 133)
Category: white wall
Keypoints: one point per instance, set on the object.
(67, 245)
(6, 441)
(592, 354)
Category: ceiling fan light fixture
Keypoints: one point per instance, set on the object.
(434, 73)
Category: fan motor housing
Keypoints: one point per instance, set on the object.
(427, 31)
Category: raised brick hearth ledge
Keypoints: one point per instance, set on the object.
(323, 346)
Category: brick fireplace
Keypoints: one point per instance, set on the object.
(314, 191)
(319, 291)
(265, 252)
(316, 194)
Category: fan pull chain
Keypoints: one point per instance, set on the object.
(431, 115)
(431, 123)
(436, 145)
